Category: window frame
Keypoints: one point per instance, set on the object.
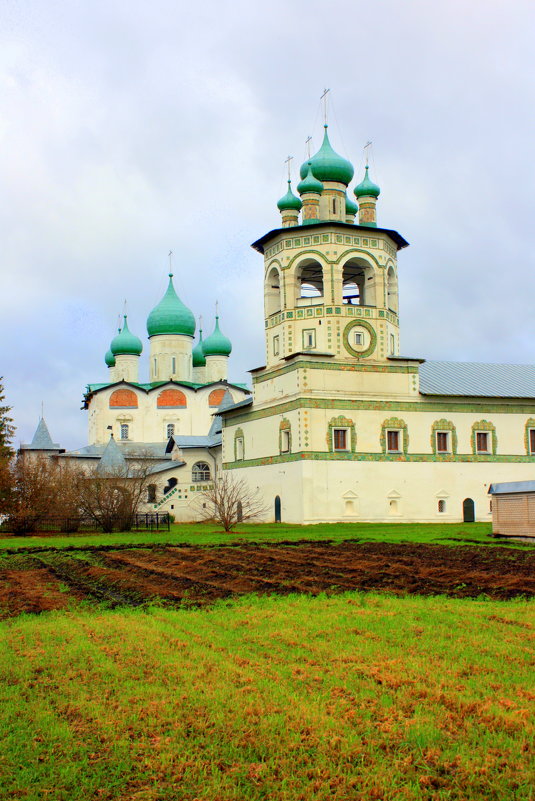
(346, 432)
(312, 332)
(122, 428)
(276, 345)
(531, 444)
(198, 475)
(285, 440)
(440, 433)
(399, 434)
(240, 449)
(442, 506)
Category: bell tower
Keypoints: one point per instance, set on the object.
(330, 285)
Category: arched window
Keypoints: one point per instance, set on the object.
(124, 429)
(358, 285)
(392, 290)
(200, 472)
(272, 292)
(171, 399)
(215, 397)
(123, 399)
(151, 493)
(170, 429)
(441, 506)
(309, 280)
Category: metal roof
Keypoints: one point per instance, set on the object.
(239, 405)
(508, 487)
(366, 230)
(42, 441)
(478, 380)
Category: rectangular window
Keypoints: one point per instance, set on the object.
(124, 431)
(309, 339)
(359, 338)
(443, 442)
(340, 439)
(482, 442)
(285, 441)
(174, 365)
(532, 440)
(239, 449)
(170, 429)
(392, 344)
(393, 441)
(276, 345)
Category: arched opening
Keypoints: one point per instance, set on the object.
(123, 399)
(349, 507)
(358, 283)
(392, 290)
(151, 493)
(469, 511)
(309, 282)
(393, 507)
(200, 472)
(272, 292)
(278, 516)
(215, 397)
(171, 484)
(171, 399)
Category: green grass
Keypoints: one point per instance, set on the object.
(356, 696)
(208, 534)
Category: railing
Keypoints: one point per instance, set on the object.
(151, 521)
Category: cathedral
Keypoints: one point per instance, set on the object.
(340, 425)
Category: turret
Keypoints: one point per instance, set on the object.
(198, 360)
(289, 206)
(367, 193)
(335, 173)
(171, 328)
(310, 190)
(216, 348)
(125, 350)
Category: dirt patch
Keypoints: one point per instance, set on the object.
(199, 575)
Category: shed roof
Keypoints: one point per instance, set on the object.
(509, 487)
(478, 380)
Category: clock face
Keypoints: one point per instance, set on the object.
(360, 338)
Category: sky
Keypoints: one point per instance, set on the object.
(129, 129)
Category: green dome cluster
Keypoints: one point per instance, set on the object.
(351, 206)
(309, 183)
(367, 187)
(289, 202)
(217, 344)
(327, 165)
(171, 316)
(109, 358)
(125, 343)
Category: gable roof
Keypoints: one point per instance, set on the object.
(476, 379)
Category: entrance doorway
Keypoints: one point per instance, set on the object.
(277, 509)
(469, 511)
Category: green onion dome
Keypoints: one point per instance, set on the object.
(197, 354)
(351, 206)
(289, 202)
(109, 358)
(126, 343)
(171, 316)
(367, 187)
(309, 183)
(327, 165)
(217, 344)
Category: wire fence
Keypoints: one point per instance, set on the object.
(28, 524)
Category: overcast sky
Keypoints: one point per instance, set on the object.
(128, 129)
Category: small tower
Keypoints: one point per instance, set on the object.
(310, 190)
(367, 193)
(216, 348)
(289, 206)
(126, 349)
(335, 173)
(109, 358)
(171, 328)
(198, 360)
(351, 210)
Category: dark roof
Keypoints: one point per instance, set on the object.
(477, 380)
(92, 389)
(509, 487)
(239, 405)
(42, 441)
(397, 238)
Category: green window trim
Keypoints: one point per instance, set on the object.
(360, 354)
(484, 426)
(342, 422)
(394, 424)
(238, 434)
(285, 425)
(444, 425)
(530, 424)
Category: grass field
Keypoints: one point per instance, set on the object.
(208, 534)
(358, 696)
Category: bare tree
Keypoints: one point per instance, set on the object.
(230, 501)
(34, 493)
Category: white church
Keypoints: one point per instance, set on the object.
(340, 426)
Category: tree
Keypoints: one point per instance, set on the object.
(34, 492)
(7, 429)
(230, 501)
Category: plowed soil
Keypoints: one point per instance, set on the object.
(199, 575)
